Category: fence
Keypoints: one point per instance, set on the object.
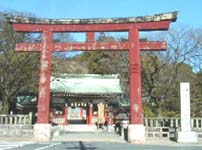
(16, 119)
(156, 127)
(58, 120)
(196, 123)
(165, 127)
(16, 130)
(16, 125)
(152, 122)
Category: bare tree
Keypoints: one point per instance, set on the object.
(162, 71)
(18, 71)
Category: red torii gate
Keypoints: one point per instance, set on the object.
(131, 25)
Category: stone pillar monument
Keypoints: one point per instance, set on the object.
(185, 135)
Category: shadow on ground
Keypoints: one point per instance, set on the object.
(81, 146)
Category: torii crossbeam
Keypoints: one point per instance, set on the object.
(131, 25)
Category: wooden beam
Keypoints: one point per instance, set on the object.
(91, 46)
(153, 26)
(28, 47)
(90, 36)
(153, 46)
(146, 26)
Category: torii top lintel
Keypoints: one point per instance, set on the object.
(152, 22)
(144, 23)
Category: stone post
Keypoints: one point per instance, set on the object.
(30, 118)
(185, 135)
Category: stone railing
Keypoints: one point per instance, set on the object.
(196, 123)
(161, 122)
(16, 130)
(165, 127)
(15, 125)
(15, 119)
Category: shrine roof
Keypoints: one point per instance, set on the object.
(171, 16)
(90, 84)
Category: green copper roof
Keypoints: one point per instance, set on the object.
(85, 84)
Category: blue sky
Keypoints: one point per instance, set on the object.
(190, 11)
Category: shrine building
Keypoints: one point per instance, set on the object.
(77, 98)
(82, 98)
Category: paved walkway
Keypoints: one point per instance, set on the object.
(99, 137)
(114, 138)
(84, 145)
(90, 136)
(167, 142)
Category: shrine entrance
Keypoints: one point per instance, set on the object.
(132, 25)
(80, 111)
(83, 98)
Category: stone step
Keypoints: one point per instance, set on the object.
(75, 128)
(89, 136)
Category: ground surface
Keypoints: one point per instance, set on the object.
(80, 145)
(92, 141)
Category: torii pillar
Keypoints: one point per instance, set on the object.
(136, 130)
(133, 25)
(42, 129)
